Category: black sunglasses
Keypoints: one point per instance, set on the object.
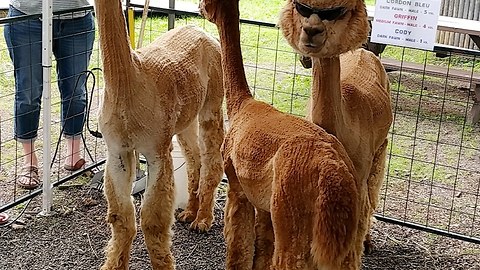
(328, 14)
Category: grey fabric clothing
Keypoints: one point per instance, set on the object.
(30, 7)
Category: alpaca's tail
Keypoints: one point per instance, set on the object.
(316, 201)
(336, 218)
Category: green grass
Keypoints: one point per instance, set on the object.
(266, 11)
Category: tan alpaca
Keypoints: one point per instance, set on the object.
(293, 200)
(173, 86)
(350, 93)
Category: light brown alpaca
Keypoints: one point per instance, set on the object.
(172, 86)
(351, 102)
(293, 200)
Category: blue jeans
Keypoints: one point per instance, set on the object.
(72, 46)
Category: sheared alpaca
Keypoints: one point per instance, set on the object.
(293, 199)
(172, 86)
(350, 92)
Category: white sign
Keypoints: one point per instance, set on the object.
(408, 23)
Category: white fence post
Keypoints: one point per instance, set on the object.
(46, 103)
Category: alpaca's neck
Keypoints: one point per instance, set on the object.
(235, 83)
(326, 106)
(114, 43)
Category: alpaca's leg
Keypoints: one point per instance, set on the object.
(264, 241)
(137, 161)
(118, 179)
(239, 226)
(375, 181)
(211, 137)
(353, 260)
(157, 208)
(188, 140)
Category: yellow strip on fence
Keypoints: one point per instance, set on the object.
(131, 27)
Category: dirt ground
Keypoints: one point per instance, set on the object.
(74, 238)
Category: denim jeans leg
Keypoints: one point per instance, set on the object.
(24, 42)
(72, 47)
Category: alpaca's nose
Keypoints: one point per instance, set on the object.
(312, 31)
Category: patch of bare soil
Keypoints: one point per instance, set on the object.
(74, 238)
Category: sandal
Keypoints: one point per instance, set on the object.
(78, 165)
(4, 218)
(29, 178)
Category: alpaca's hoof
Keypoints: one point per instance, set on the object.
(368, 246)
(115, 261)
(201, 225)
(108, 266)
(163, 263)
(186, 216)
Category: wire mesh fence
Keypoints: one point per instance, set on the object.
(432, 175)
(432, 178)
(12, 155)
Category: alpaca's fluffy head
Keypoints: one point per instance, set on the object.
(324, 28)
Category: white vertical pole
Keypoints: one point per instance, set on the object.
(46, 102)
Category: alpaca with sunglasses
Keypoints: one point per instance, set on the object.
(350, 91)
(294, 200)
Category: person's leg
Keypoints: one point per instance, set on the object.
(29, 158)
(23, 40)
(72, 46)
(73, 160)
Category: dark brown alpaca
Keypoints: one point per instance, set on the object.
(293, 200)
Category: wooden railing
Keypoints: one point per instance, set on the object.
(463, 9)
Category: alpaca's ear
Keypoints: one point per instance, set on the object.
(207, 9)
(361, 24)
(287, 23)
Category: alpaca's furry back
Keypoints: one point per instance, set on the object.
(185, 53)
(173, 75)
(181, 61)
